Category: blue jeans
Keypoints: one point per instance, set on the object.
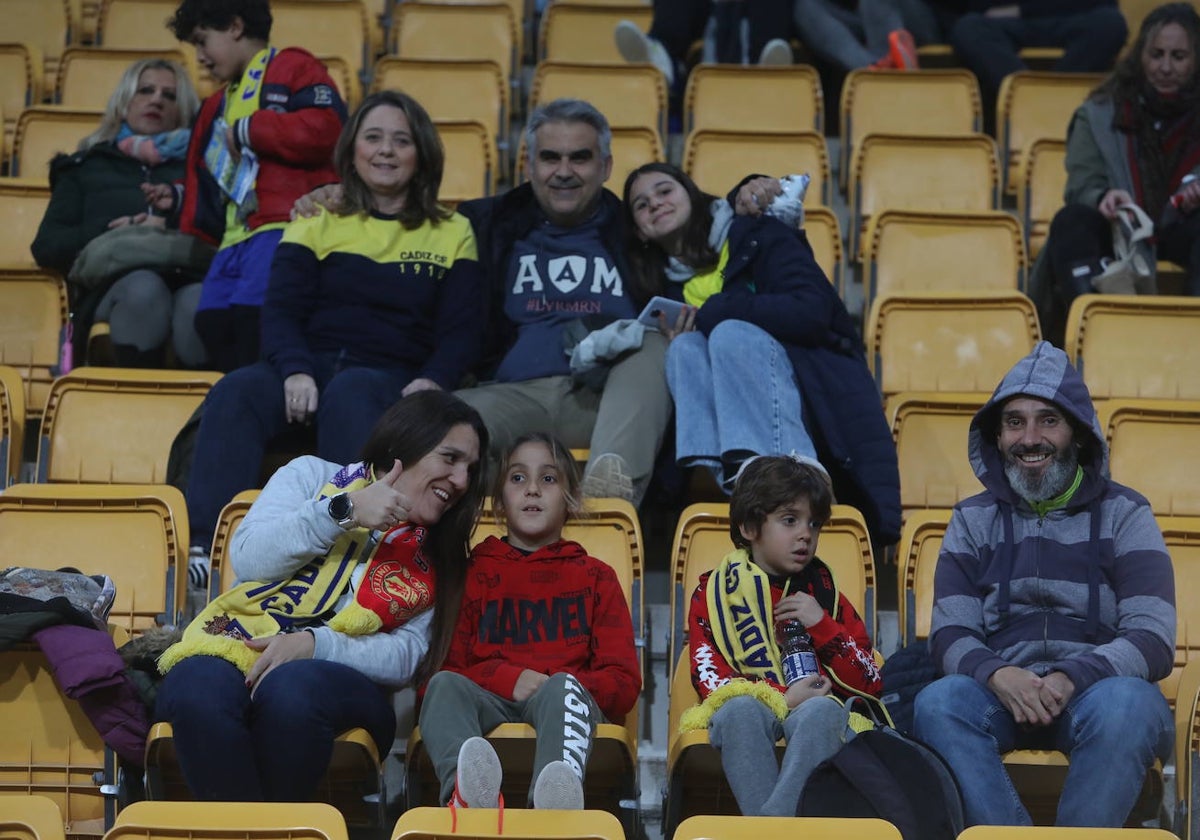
(245, 409)
(735, 396)
(1112, 731)
(274, 747)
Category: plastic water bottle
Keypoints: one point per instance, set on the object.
(799, 657)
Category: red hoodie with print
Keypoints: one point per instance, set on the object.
(553, 610)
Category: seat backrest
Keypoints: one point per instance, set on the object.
(157, 820)
(702, 540)
(940, 174)
(222, 578)
(824, 234)
(931, 252)
(48, 748)
(718, 160)
(470, 171)
(30, 817)
(731, 827)
(1033, 105)
(427, 823)
(43, 24)
(721, 96)
(33, 315)
(927, 102)
(116, 425)
(930, 430)
(135, 534)
(584, 32)
(323, 27)
(1040, 195)
(629, 95)
(1107, 335)
(1182, 536)
(948, 341)
(1048, 832)
(1145, 441)
(45, 131)
(133, 24)
(451, 31)
(12, 424)
(22, 205)
(916, 561)
(87, 76)
(20, 83)
(632, 147)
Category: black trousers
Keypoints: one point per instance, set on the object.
(678, 23)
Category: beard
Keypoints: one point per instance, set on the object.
(1049, 482)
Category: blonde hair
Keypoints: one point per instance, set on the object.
(114, 113)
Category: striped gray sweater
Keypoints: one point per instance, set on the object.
(1087, 590)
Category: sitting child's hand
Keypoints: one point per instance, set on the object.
(528, 684)
(817, 685)
(800, 606)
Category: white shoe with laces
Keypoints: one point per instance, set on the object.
(558, 788)
(637, 47)
(776, 53)
(479, 774)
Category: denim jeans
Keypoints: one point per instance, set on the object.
(1112, 732)
(276, 746)
(245, 409)
(735, 395)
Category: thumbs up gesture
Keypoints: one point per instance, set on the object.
(381, 505)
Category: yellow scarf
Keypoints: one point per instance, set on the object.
(398, 584)
(242, 100)
(742, 617)
(703, 286)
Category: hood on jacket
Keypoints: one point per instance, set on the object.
(1047, 374)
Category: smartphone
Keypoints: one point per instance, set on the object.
(666, 306)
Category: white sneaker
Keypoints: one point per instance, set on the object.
(776, 53)
(479, 774)
(199, 567)
(558, 788)
(607, 477)
(637, 47)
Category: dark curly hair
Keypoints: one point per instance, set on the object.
(219, 14)
(769, 482)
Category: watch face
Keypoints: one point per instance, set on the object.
(339, 506)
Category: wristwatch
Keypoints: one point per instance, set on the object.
(341, 510)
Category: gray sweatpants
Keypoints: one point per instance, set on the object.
(847, 38)
(456, 708)
(762, 786)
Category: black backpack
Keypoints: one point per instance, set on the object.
(882, 773)
(905, 673)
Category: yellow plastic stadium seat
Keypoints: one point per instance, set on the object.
(1187, 746)
(1145, 441)
(44, 26)
(87, 76)
(20, 86)
(571, 32)
(1040, 194)
(222, 578)
(519, 824)
(722, 96)
(33, 315)
(135, 534)
(23, 203)
(609, 530)
(353, 785)
(1182, 536)
(134, 24)
(228, 821)
(45, 131)
(925, 102)
(1046, 832)
(696, 783)
(116, 425)
(707, 827)
(470, 169)
(324, 28)
(1107, 339)
(452, 91)
(930, 430)
(941, 174)
(947, 341)
(30, 817)
(48, 748)
(629, 95)
(717, 160)
(825, 236)
(453, 31)
(12, 424)
(916, 561)
(1032, 106)
(933, 252)
(632, 147)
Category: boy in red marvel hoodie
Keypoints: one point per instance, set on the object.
(544, 637)
(775, 516)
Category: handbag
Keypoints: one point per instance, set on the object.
(1131, 271)
(119, 251)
